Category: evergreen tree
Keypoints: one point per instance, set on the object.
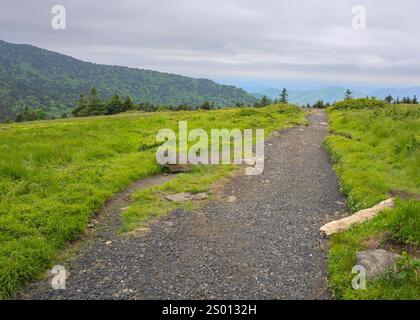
(114, 105)
(348, 95)
(80, 110)
(415, 100)
(128, 104)
(319, 104)
(31, 115)
(22, 116)
(206, 105)
(389, 99)
(264, 101)
(147, 107)
(284, 96)
(94, 104)
(406, 100)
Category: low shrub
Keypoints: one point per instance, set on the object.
(362, 103)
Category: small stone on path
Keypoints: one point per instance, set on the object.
(186, 196)
(231, 199)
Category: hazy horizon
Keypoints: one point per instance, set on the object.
(247, 83)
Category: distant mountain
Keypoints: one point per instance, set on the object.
(259, 92)
(328, 94)
(404, 92)
(34, 77)
(332, 94)
(303, 97)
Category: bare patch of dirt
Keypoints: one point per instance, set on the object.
(385, 241)
(406, 195)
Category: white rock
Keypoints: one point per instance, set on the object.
(356, 218)
(231, 199)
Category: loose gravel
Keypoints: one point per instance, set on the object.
(261, 242)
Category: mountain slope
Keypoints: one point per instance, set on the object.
(34, 77)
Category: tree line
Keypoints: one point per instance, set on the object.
(92, 104)
(348, 94)
(265, 101)
(406, 100)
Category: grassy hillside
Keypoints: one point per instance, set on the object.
(376, 149)
(37, 78)
(54, 176)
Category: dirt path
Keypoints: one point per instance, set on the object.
(265, 245)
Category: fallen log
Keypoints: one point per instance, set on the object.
(356, 218)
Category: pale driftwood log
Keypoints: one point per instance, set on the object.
(356, 218)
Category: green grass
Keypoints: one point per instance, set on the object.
(149, 203)
(376, 150)
(401, 285)
(55, 175)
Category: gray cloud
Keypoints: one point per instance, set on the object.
(277, 40)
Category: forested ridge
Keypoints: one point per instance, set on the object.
(41, 79)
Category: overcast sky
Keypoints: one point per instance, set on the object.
(272, 40)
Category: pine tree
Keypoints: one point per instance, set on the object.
(128, 104)
(206, 106)
(31, 115)
(284, 96)
(415, 100)
(406, 100)
(319, 104)
(94, 104)
(80, 109)
(264, 101)
(114, 105)
(348, 94)
(389, 99)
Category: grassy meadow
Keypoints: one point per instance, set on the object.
(376, 149)
(55, 175)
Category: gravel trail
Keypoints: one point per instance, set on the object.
(262, 243)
